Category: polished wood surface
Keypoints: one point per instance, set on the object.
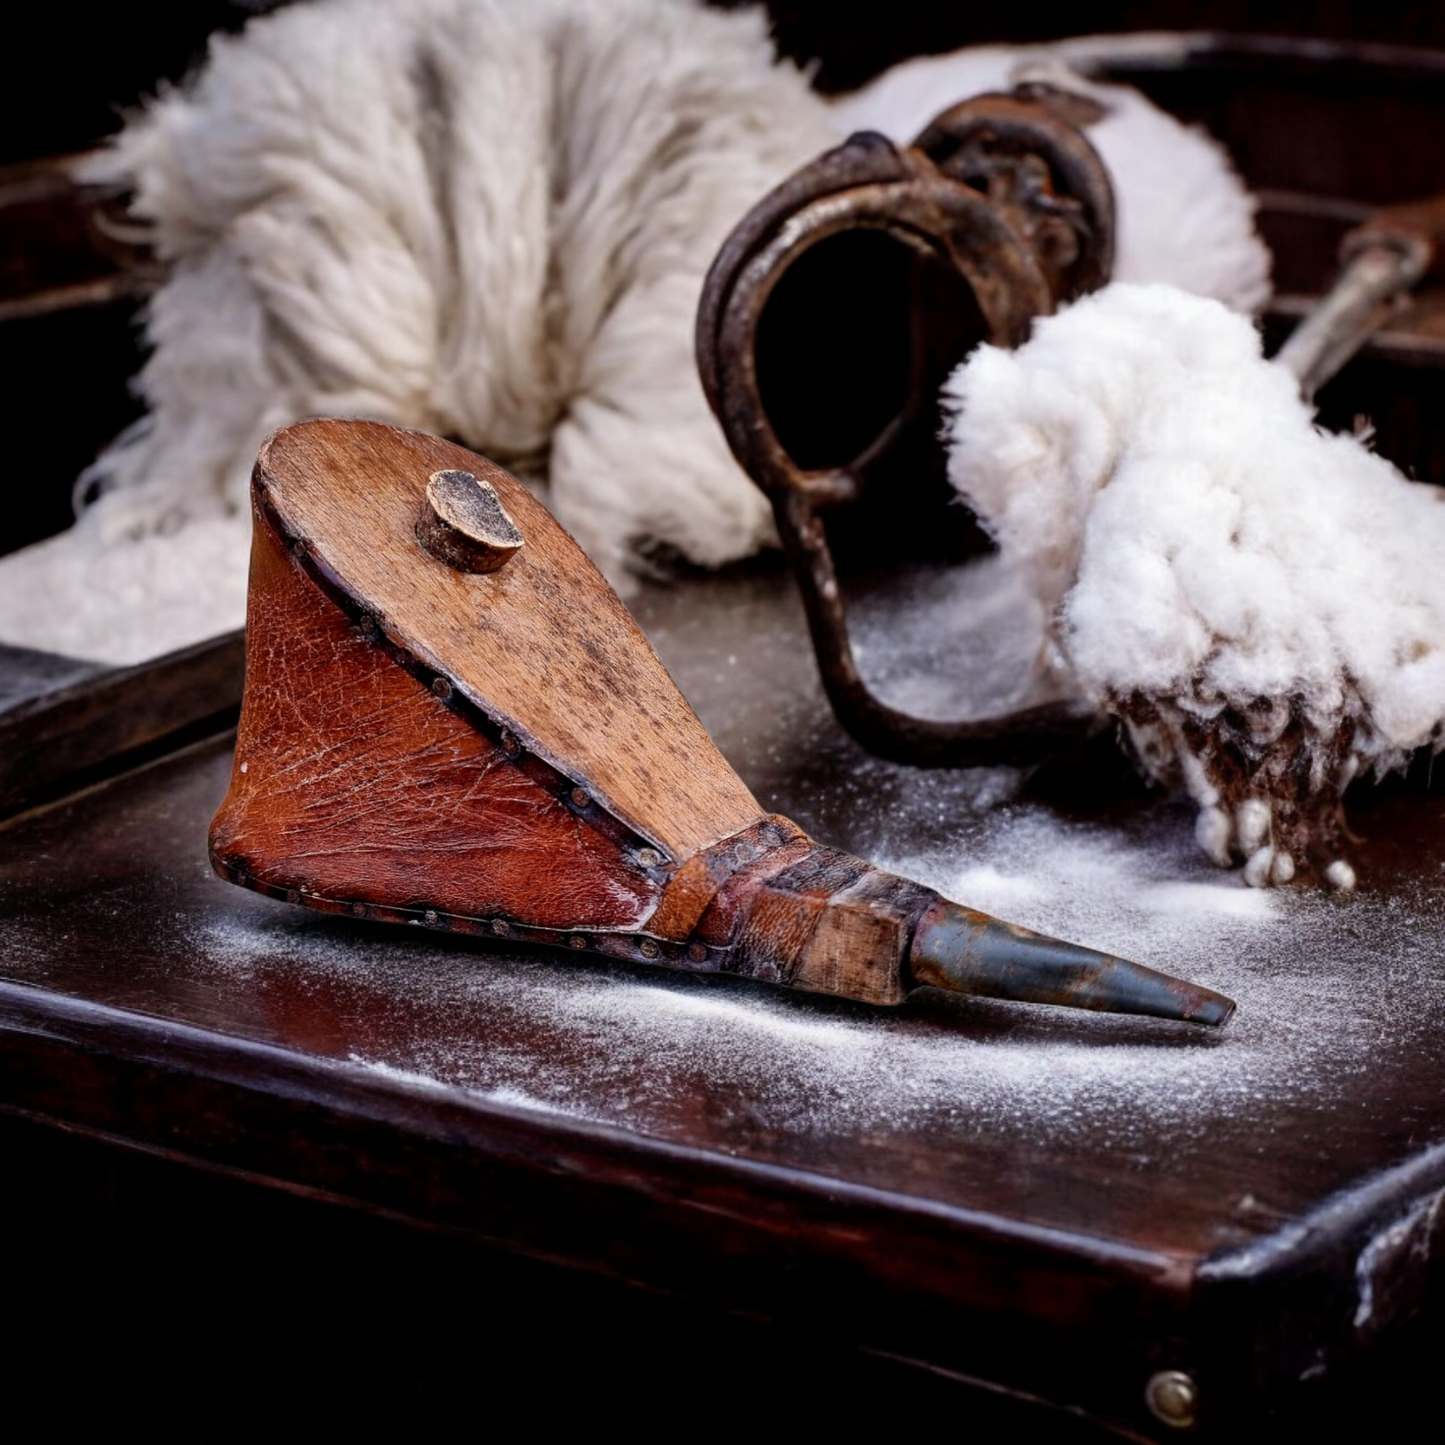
(63, 719)
(543, 647)
(704, 1136)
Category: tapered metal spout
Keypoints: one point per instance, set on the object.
(958, 949)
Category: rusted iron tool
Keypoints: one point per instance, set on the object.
(1380, 262)
(451, 721)
(1005, 197)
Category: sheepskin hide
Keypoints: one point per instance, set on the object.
(478, 218)
(1260, 602)
(490, 220)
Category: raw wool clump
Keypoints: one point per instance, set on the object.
(1183, 215)
(1261, 603)
(482, 219)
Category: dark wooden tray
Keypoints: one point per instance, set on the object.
(64, 720)
(1059, 1205)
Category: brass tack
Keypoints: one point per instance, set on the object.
(299, 548)
(359, 909)
(441, 687)
(581, 798)
(501, 926)
(293, 895)
(367, 623)
(647, 948)
(577, 941)
(697, 952)
(430, 916)
(510, 745)
(1173, 1397)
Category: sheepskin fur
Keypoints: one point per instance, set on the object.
(1260, 602)
(478, 218)
(490, 220)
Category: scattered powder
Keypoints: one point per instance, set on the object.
(429, 1083)
(122, 599)
(647, 1051)
(410, 1077)
(952, 642)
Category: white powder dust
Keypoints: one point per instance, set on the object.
(951, 643)
(1319, 987)
(123, 599)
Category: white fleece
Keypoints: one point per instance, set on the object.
(483, 219)
(489, 220)
(1261, 602)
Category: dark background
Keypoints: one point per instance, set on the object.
(70, 69)
(145, 1291)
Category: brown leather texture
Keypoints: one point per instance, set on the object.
(815, 918)
(694, 885)
(543, 647)
(355, 785)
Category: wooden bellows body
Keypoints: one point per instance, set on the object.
(500, 751)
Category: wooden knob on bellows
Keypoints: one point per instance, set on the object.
(464, 524)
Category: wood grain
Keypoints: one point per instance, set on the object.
(544, 646)
(63, 721)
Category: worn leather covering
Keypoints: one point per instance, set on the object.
(354, 784)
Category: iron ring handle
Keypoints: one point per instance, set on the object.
(1039, 121)
(866, 183)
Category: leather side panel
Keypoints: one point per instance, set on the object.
(354, 783)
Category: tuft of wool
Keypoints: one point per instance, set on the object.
(1260, 602)
(481, 219)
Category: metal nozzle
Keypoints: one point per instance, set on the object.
(957, 949)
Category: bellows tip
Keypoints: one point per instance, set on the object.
(958, 949)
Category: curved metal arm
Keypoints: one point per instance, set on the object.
(995, 241)
(1025, 152)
